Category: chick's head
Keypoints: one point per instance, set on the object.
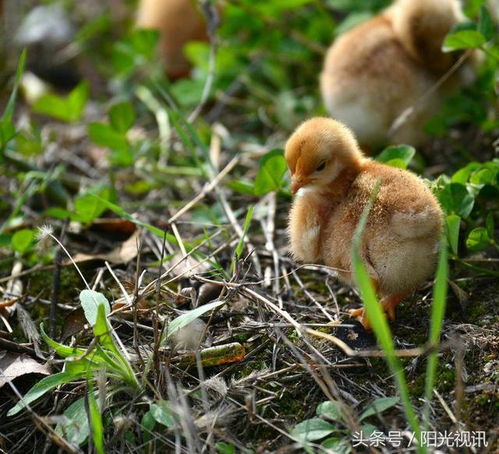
(318, 151)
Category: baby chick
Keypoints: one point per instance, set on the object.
(376, 71)
(178, 22)
(333, 182)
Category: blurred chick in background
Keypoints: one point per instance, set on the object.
(178, 22)
(376, 71)
(333, 182)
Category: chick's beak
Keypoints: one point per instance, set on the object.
(297, 182)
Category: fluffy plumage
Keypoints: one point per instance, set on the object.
(333, 182)
(380, 68)
(178, 22)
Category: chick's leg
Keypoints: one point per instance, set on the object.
(390, 303)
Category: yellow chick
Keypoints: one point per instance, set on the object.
(333, 182)
(178, 22)
(376, 71)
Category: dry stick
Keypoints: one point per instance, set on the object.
(407, 113)
(26, 272)
(179, 239)
(17, 348)
(63, 444)
(237, 228)
(155, 320)
(135, 301)
(311, 297)
(338, 342)
(270, 246)
(206, 189)
(56, 287)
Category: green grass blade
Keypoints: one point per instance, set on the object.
(9, 109)
(437, 317)
(95, 418)
(378, 320)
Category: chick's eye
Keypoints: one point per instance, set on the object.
(321, 166)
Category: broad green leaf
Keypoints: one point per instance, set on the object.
(69, 108)
(463, 39)
(122, 116)
(7, 132)
(270, 176)
(90, 302)
(43, 386)
(478, 239)
(87, 208)
(76, 429)
(190, 316)
(312, 430)
(368, 429)
(397, 156)
(379, 406)
(337, 445)
(106, 136)
(147, 424)
(22, 240)
(331, 410)
(462, 175)
(225, 448)
(456, 199)
(453, 223)
(162, 413)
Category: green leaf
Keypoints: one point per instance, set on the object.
(107, 350)
(489, 224)
(106, 136)
(379, 406)
(336, 445)
(87, 207)
(331, 410)
(122, 116)
(397, 156)
(453, 223)
(456, 199)
(162, 413)
(486, 25)
(43, 386)
(90, 302)
(190, 316)
(463, 39)
(69, 108)
(7, 133)
(61, 349)
(271, 172)
(147, 423)
(225, 448)
(22, 240)
(478, 239)
(76, 429)
(312, 429)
